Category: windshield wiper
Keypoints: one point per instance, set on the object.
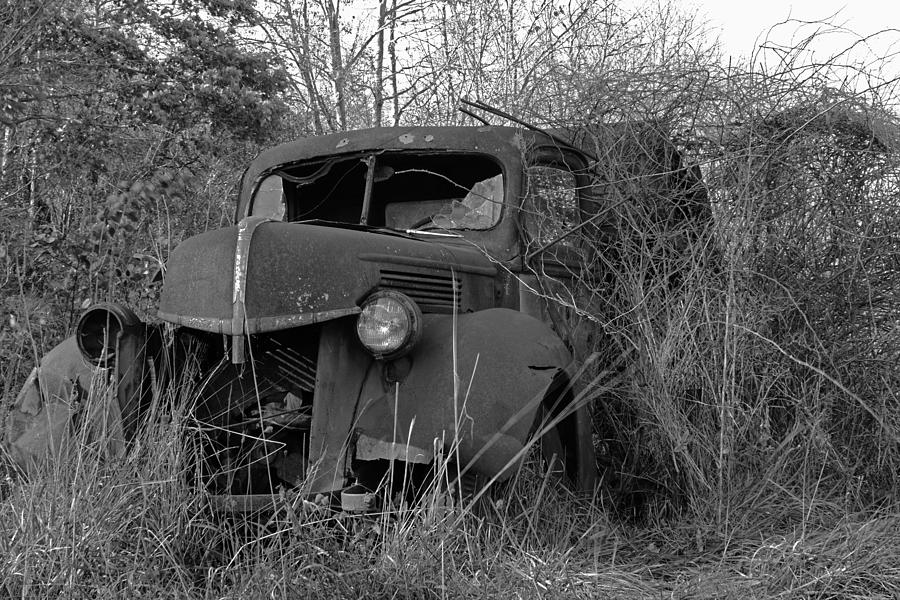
(435, 233)
(357, 227)
(404, 233)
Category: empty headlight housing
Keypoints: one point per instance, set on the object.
(389, 324)
(99, 328)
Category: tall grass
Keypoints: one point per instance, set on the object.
(101, 524)
(760, 332)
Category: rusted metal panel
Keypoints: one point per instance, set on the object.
(284, 275)
(132, 383)
(279, 322)
(39, 422)
(465, 260)
(199, 282)
(369, 448)
(342, 368)
(482, 412)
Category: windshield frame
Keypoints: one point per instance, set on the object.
(370, 158)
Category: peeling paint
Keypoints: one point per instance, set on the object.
(246, 228)
(369, 448)
(276, 323)
(429, 138)
(202, 323)
(407, 138)
(343, 142)
(258, 324)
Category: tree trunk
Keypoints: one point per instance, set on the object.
(4, 155)
(378, 89)
(301, 35)
(34, 204)
(452, 95)
(333, 17)
(392, 50)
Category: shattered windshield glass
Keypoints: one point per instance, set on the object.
(409, 191)
(480, 208)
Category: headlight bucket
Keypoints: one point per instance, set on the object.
(389, 324)
(99, 329)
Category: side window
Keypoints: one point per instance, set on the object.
(550, 207)
(269, 198)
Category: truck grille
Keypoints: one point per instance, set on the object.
(432, 292)
(292, 366)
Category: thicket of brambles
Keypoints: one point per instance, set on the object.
(755, 339)
(741, 353)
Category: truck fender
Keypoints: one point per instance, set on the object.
(473, 387)
(38, 424)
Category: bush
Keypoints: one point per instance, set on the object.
(755, 312)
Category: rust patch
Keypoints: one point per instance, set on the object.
(262, 324)
(202, 323)
(369, 448)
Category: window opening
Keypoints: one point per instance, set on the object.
(399, 190)
(550, 208)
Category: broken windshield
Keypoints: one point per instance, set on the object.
(409, 191)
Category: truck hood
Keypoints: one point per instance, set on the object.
(265, 275)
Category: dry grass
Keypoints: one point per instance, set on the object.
(93, 525)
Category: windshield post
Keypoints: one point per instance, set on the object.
(367, 195)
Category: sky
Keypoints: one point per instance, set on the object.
(743, 24)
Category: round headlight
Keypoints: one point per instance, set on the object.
(389, 325)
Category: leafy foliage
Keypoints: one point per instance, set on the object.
(128, 64)
(124, 124)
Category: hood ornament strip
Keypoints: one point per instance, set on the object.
(246, 228)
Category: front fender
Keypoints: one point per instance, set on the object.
(473, 388)
(110, 400)
(38, 423)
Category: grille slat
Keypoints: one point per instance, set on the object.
(417, 279)
(424, 293)
(304, 381)
(432, 292)
(292, 366)
(445, 290)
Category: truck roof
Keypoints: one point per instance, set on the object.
(502, 142)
